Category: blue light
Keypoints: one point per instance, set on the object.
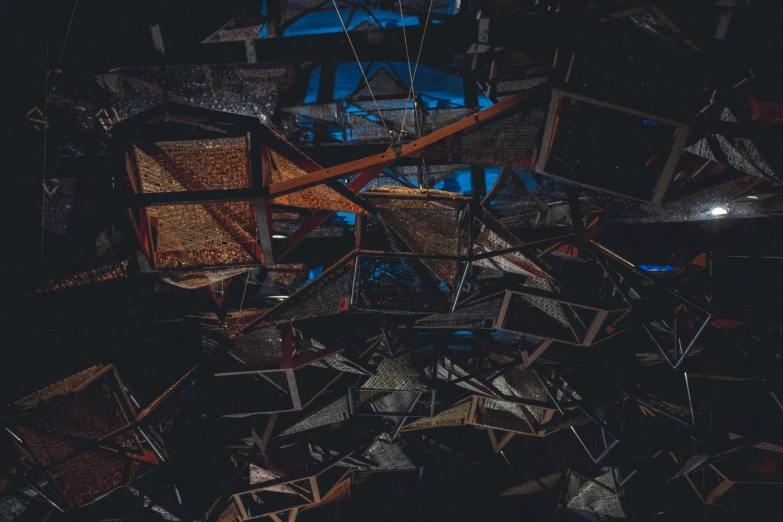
(312, 87)
(315, 272)
(657, 268)
(349, 218)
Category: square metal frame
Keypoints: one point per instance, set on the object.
(664, 178)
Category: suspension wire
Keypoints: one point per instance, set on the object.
(242, 303)
(350, 42)
(47, 90)
(410, 74)
(411, 91)
(45, 145)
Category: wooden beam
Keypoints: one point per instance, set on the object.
(315, 178)
(505, 440)
(263, 206)
(270, 426)
(194, 197)
(319, 217)
(293, 389)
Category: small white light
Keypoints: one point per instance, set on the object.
(719, 211)
(278, 236)
(753, 197)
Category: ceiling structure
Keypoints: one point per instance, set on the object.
(391, 260)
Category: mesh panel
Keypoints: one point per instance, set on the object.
(389, 457)
(295, 8)
(428, 227)
(525, 385)
(260, 476)
(321, 297)
(190, 236)
(481, 314)
(505, 416)
(79, 419)
(319, 197)
(513, 199)
(331, 112)
(198, 235)
(361, 129)
(393, 111)
(334, 412)
(514, 262)
(238, 88)
(532, 487)
(396, 374)
(382, 84)
(341, 364)
(245, 26)
(448, 371)
(259, 345)
(551, 308)
(199, 278)
(507, 141)
(62, 387)
(433, 174)
(741, 153)
(398, 285)
(586, 495)
(195, 164)
(454, 416)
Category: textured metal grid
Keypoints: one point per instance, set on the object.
(394, 112)
(540, 318)
(200, 278)
(336, 411)
(389, 457)
(741, 153)
(171, 166)
(323, 296)
(397, 285)
(585, 495)
(505, 416)
(513, 199)
(532, 487)
(320, 197)
(514, 262)
(189, 236)
(396, 374)
(454, 416)
(59, 433)
(427, 226)
(507, 141)
(524, 385)
(482, 314)
(259, 345)
(247, 89)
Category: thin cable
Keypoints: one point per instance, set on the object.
(410, 74)
(46, 122)
(334, 2)
(68, 32)
(242, 303)
(415, 70)
(43, 181)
